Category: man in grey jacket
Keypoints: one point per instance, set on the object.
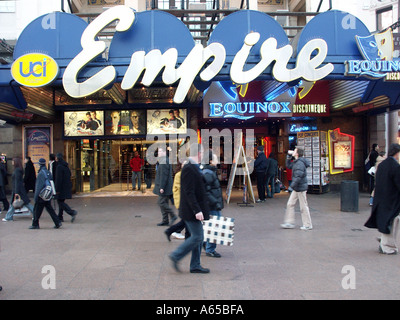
(299, 188)
(40, 204)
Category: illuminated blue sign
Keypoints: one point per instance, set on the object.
(294, 128)
(247, 110)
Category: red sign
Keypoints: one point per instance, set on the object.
(22, 114)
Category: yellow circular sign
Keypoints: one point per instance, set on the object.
(34, 70)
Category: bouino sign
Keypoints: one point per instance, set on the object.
(377, 51)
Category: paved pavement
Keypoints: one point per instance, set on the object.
(114, 250)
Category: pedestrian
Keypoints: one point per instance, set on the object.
(371, 159)
(214, 196)
(163, 187)
(386, 206)
(193, 209)
(176, 229)
(30, 175)
(18, 189)
(40, 204)
(63, 186)
(298, 189)
(147, 174)
(136, 165)
(379, 159)
(271, 174)
(53, 166)
(3, 183)
(260, 165)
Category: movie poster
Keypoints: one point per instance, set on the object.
(125, 122)
(166, 121)
(342, 155)
(83, 123)
(37, 143)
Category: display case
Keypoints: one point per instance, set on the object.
(316, 151)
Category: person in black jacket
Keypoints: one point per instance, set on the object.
(193, 210)
(386, 205)
(271, 173)
(214, 195)
(53, 166)
(18, 189)
(163, 188)
(63, 188)
(260, 165)
(30, 175)
(3, 183)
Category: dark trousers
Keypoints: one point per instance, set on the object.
(62, 206)
(270, 181)
(166, 210)
(192, 244)
(261, 185)
(37, 212)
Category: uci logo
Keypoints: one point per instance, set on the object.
(34, 70)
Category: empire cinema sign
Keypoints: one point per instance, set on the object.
(203, 62)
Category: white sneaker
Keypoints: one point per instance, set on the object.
(178, 236)
(305, 228)
(287, 226)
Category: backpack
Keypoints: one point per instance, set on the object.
(48, 191)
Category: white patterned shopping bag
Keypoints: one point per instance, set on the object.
(219, 230)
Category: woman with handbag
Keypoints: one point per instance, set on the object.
(18, 191)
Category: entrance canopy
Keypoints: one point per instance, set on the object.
(59, 57)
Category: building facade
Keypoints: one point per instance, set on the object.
(98, 132)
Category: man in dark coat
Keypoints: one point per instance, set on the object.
(260, 165)
(193, 210)
(163, 187)
(271, 173)
(63, 188)
(29, 175)
(386, 205)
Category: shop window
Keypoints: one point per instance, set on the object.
(384, 18)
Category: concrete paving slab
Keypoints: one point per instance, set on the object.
(115, 250)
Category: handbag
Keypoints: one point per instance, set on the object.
(18, 203)
(219, 230)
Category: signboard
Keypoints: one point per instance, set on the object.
(378, 52)
(34, 70)
(342, 155)
(125, 122)
(166, 121)
(341, 151)
(260, 99)
(37, 143)
(83, 123)
(240, 157)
